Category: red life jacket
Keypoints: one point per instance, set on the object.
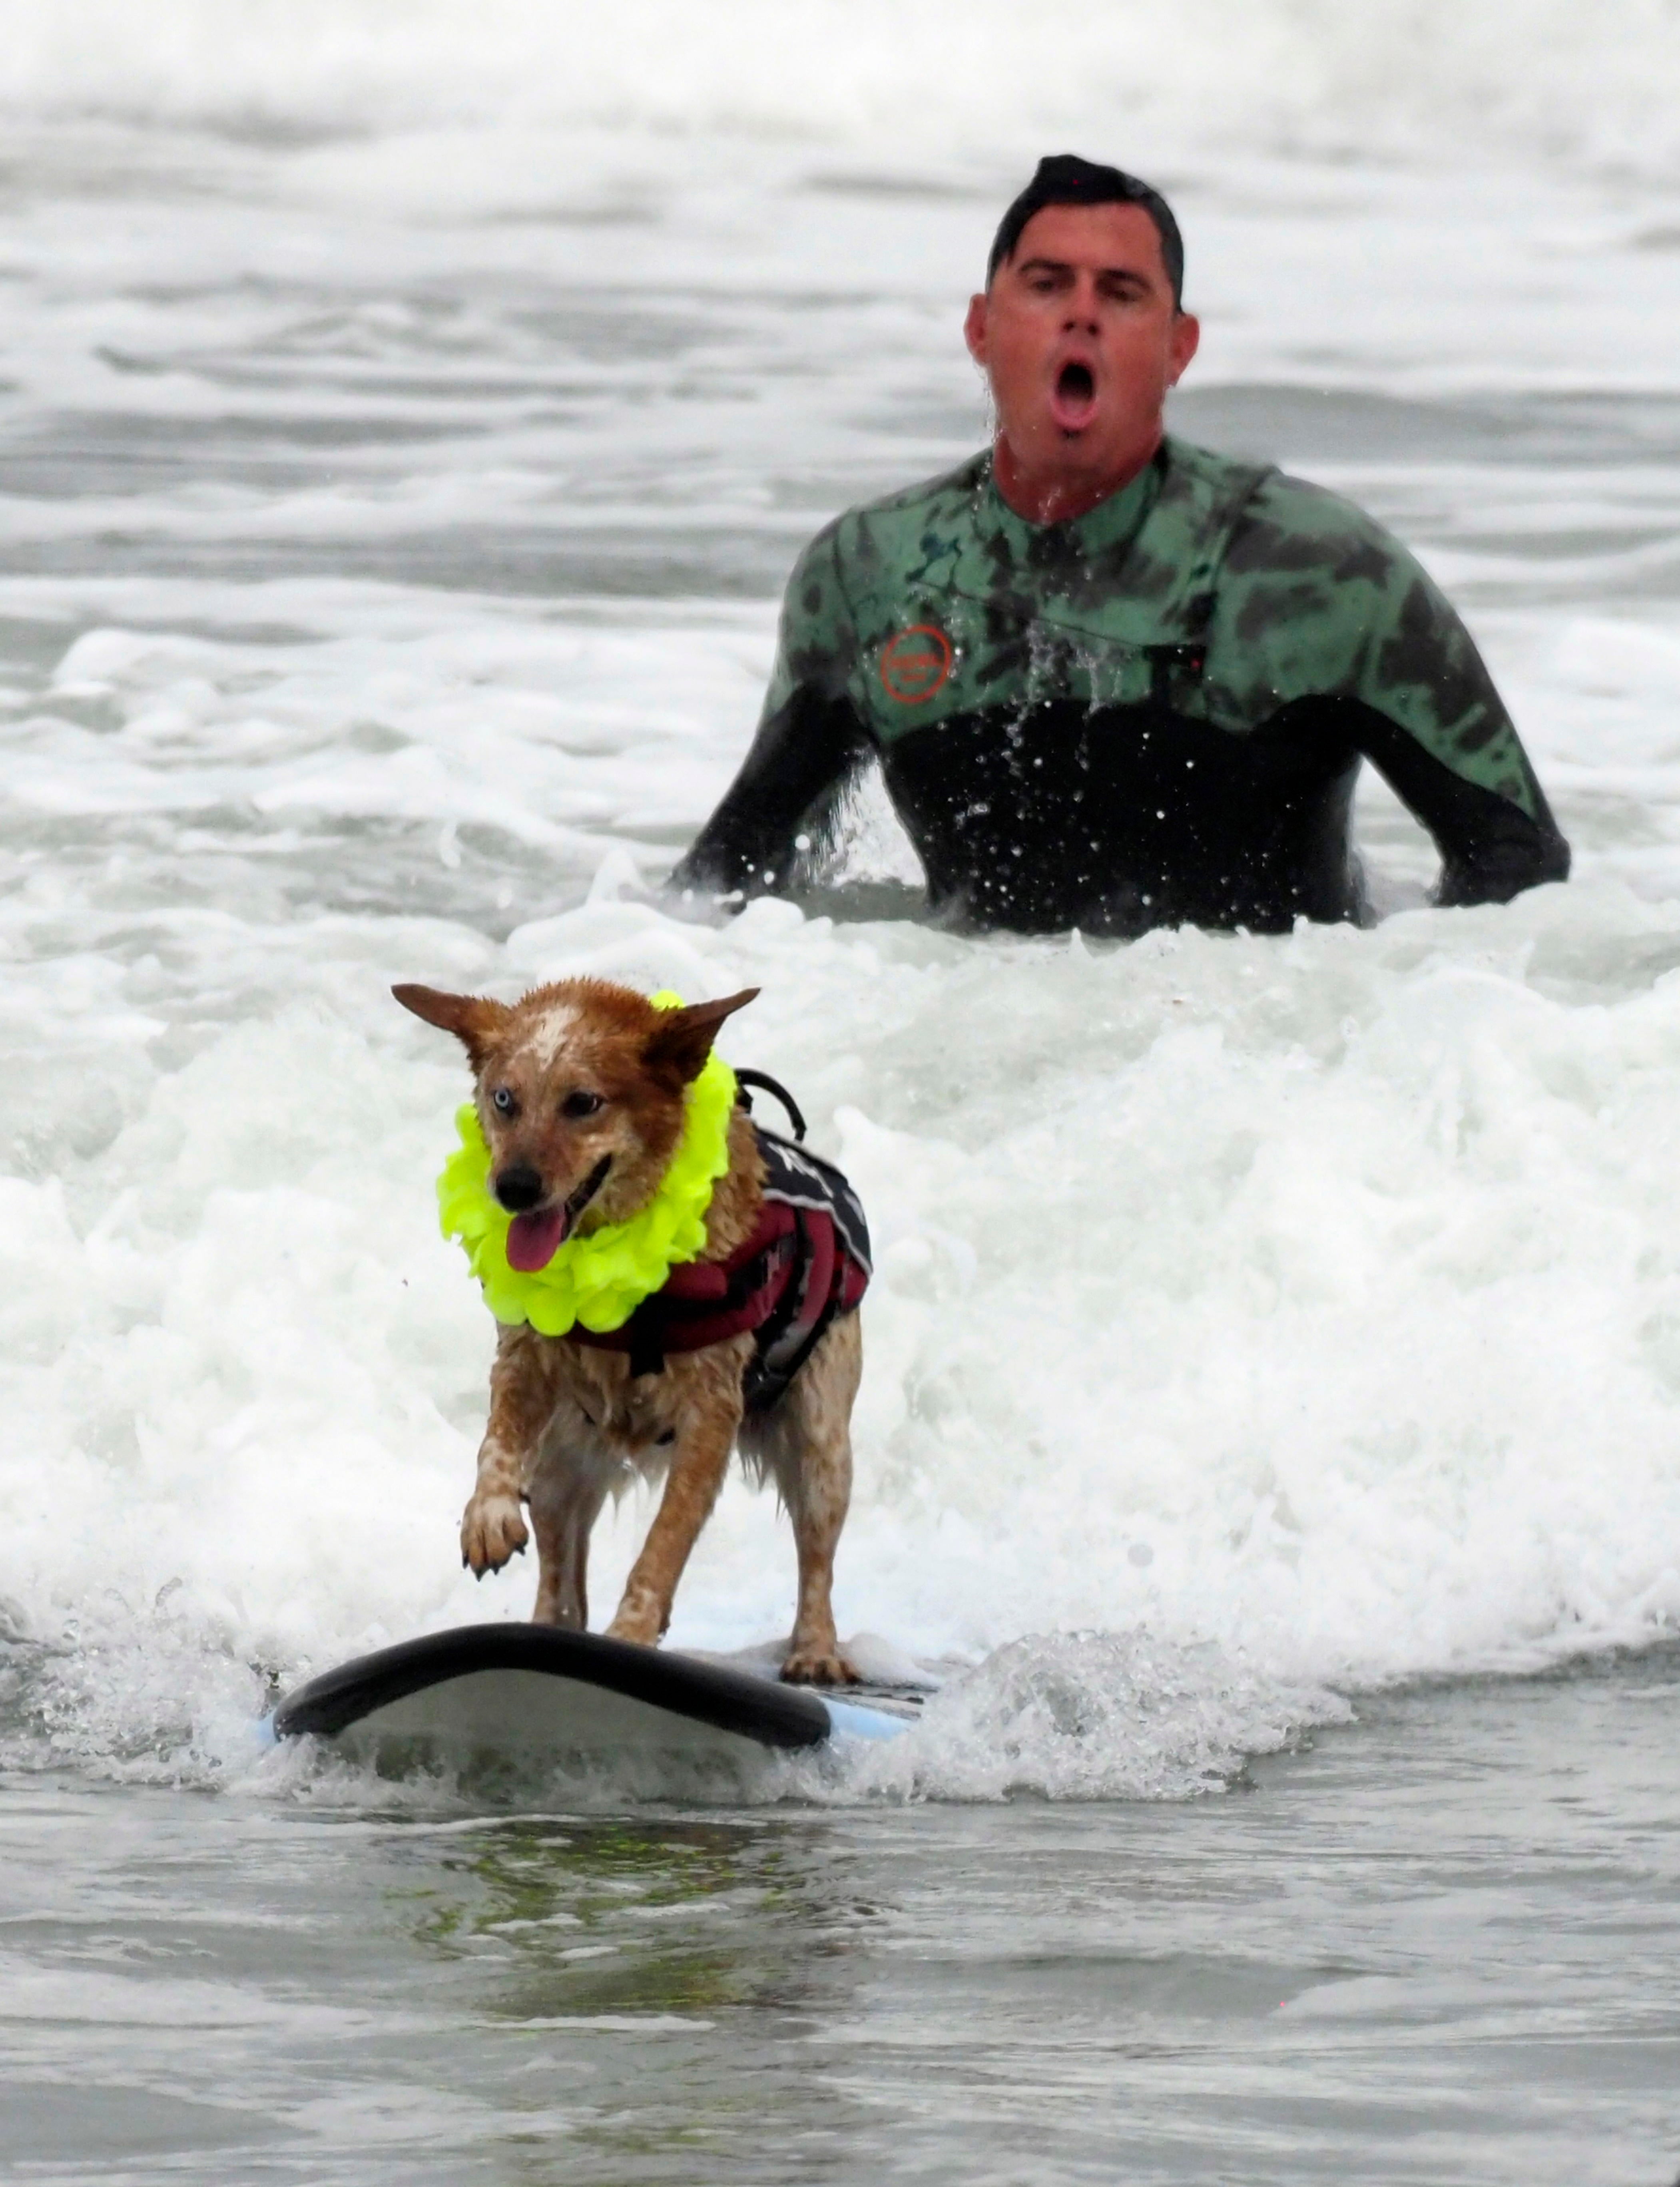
(807, 1262)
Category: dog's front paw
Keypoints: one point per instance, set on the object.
(819, 1666)
(637, 1618)
(492, 1527)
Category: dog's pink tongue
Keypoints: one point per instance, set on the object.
(534, 1239)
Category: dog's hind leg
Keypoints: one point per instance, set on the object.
(565, 1501)
(805, 1443)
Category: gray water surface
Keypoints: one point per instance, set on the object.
(1442, 1945)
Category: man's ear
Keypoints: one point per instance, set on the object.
(974, 329)
(474, 1019)
(682, 1040)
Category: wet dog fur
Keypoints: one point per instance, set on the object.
(577, 1073)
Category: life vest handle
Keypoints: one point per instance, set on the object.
(766, 1084)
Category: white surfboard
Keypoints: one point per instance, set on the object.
(518, 1690)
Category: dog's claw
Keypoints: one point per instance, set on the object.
(492, 1527)
(810, 1666)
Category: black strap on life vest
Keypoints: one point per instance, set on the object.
(766, 1084)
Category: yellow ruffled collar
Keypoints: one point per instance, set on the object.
(601, 1278)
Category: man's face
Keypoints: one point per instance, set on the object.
(1081, 340)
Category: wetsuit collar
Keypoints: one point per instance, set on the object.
(1114, 523)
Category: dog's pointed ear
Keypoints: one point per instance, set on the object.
(474, 1019)
(682, 1040)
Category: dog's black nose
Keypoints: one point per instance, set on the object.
(518, 1188)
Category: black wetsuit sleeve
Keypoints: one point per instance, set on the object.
(1490, 847)
(811, 737)
(804, 754)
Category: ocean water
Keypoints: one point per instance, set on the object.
(1272, 1421)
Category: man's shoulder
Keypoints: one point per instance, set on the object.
(1189, 468)
(1310, 594)
(1286, 524)
(869, 528)
(950, 492)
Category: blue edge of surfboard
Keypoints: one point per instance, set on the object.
(783, 1719)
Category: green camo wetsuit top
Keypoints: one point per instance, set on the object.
(1151, 716)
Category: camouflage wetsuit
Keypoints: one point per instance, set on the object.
(1154, 714)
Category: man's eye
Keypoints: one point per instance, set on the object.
(580, 1105)
(501, 1101)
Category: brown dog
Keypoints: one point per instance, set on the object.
(579, 1088)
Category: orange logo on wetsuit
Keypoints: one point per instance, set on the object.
(915, 664)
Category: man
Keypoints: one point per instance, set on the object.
(1114, 681)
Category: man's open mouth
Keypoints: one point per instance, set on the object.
(1074, 400)
(533, 1240)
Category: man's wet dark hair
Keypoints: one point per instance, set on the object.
(1066, 179)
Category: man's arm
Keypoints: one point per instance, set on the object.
(810, 741)
(1428, 717)
(1321, 608)
(1492, 846)
(804, 754)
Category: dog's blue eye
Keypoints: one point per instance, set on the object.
(501, 1101)
(580, 1103)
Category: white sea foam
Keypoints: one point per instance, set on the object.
(1084, 1715)
(926, 83)
(1316, 1299)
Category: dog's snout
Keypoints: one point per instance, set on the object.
(518, 1188)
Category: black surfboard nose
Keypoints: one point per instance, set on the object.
(684, 1687)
